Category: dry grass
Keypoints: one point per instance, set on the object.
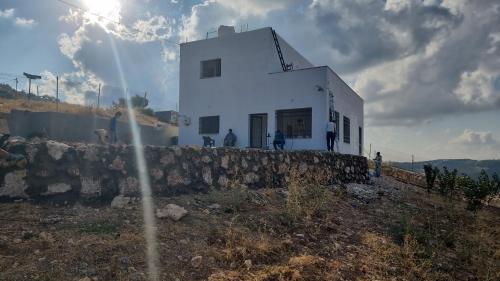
(6, 105)
(405, 235)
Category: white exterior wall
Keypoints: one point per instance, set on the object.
(252, 82)
(348, 104)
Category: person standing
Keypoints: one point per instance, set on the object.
(330, 135)
(378, 164)
(113, 122)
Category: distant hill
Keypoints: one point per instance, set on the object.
(465, 166)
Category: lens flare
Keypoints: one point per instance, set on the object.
(103, 11)
(147, 200)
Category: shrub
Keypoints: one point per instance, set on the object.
(476, 192)
(305, 200)
(494, 187)
(430, 176)
(148, 111)
(447, 182)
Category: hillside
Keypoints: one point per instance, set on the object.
(465, 166)
(386, 231)
(10, 99)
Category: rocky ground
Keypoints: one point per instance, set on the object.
(384, 231)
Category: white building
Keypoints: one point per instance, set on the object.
(237, 81)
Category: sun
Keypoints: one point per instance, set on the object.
(103, 12)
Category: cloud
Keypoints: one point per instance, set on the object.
(451, 68)
(22, 22)
(210, 14)
(7, 13)
(475, 139)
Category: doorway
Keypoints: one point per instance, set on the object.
(258, 130)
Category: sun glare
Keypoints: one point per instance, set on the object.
(103, 11)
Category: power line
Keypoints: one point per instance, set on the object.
(107, 18)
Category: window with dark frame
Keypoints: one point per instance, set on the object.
(295, 123)
(210, 68)
(347, 130)
(209, 125)
(360, 135)
(337, 124)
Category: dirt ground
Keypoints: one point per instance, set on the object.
(384, 231)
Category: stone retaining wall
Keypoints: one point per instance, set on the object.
(405, 176)
(88, 172)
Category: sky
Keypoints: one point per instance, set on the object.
(428, 70)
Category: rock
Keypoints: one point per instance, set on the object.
(172, 211)
(85, 279)
(14, 185)
(129, 187)
(56, 149)
(223, 181)
(251, 178)
(248, 264)
(174, 178)
(167, 159)
(57, 188)
(214, 206)
(196, 261)
(118, 165)
(225, 162)
(91, 187)
(120, 201)
(362, 192)
(47, 237)
(157, 174)
(207, 175)
(206, 159)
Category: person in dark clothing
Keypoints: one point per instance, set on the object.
(113, 122)
(230, 139)
(279, 140)
(378, 165)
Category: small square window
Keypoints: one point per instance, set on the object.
(210, 68)
(209, 125)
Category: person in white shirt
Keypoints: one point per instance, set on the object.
(330, 135)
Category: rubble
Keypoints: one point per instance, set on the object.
(172, 211)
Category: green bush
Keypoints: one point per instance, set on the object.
(494, 187)
(148, 111)
(447, 182)
(430, 176)
(477, 192)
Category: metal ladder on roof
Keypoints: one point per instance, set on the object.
(284, 66)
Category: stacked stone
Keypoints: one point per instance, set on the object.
(89, 172)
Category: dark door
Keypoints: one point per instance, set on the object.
(258, 130)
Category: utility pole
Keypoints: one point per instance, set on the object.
(99, 96)
(17, 81)
(37, 93)
(412, 160)
(370, 153)
(57, 93)
(145, 99)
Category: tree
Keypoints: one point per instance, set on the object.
(430, 176)
(447, 182)
(139, 102)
